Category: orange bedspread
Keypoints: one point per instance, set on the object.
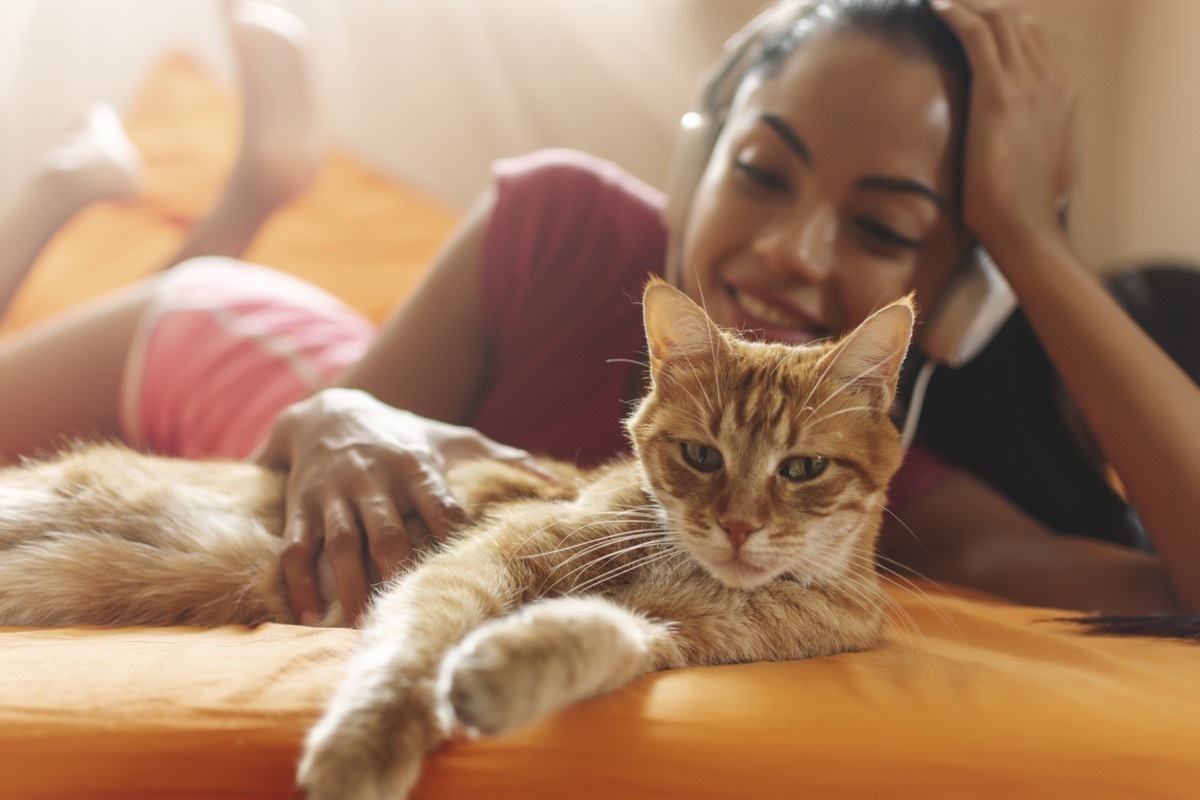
(968, 698)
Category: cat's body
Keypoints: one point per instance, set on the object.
(742, 529)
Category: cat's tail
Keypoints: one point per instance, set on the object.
(99, 578)
(1184, 626)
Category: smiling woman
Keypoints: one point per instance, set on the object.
(835, 165)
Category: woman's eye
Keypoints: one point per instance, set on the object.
(701, 457)
(881, 235)
(803, 469)
(762, 177)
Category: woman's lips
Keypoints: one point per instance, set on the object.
(778, 323)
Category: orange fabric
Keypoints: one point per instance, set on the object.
(969, 697)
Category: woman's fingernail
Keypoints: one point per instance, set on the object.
(941, 5)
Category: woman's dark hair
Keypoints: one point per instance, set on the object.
(909, 25)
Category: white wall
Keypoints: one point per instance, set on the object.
(433, 90)
(1158, 200)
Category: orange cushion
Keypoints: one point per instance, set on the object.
(969, 698)
(354, 232)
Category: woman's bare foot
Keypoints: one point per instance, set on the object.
(281, 140)
(280, 136)
(93, 161)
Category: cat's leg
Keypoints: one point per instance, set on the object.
(546, 656)
(384, 717)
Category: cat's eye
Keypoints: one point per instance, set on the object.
(804, 468)
(701, 457)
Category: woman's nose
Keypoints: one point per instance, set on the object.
(800, 243)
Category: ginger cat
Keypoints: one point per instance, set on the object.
(743, 528)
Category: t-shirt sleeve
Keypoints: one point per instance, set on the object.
(564, 223)
(570, 244)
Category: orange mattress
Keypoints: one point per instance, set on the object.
(968, 698)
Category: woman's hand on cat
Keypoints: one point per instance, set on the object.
(1019, 144)
(356, 468)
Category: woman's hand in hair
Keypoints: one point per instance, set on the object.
(1019, 146)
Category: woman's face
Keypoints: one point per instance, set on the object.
(830, 192)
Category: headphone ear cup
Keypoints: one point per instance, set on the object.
(975, 303)
(692, 149)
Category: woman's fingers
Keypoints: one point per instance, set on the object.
(995, 35)
(344, 551)
(435, 503)
(387, 539)
(299, 563)
(1044, 60)
(976, 35)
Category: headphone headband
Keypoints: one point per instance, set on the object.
(700, 126)
(743, 48)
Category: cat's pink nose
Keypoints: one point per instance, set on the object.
(738, 531)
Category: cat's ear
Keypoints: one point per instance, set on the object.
(868, 359)
(678, 330)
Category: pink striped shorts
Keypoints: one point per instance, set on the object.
(223, 348)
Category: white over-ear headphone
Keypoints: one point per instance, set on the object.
(975, 302)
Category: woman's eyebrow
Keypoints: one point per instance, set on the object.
(885, 183)
(890, 184)
(789, 136)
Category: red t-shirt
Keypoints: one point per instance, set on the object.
(568, 250)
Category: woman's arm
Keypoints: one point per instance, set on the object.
(430, 356)
(1142, 409)
(963, 531)
(362, 457)
(1139, 405)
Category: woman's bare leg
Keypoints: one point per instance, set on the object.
(61, 378)
(94, 161)
(280, 136)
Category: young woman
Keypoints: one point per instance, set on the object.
(846, 167)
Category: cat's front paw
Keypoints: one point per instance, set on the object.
(498, 678)
(345, 760)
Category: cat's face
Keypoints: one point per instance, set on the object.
(769, 459)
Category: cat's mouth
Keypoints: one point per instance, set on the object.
(736, 572)
(777, 321)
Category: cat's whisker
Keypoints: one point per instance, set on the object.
(599, 544)
(904, 622)
(601, 559)
(812, 423)
(619, 571)
(903, 524)
(903, 581)
(714, 347)
(632, 514)
(634, 361)
(846, 386)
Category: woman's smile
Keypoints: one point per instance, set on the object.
(777, 319)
